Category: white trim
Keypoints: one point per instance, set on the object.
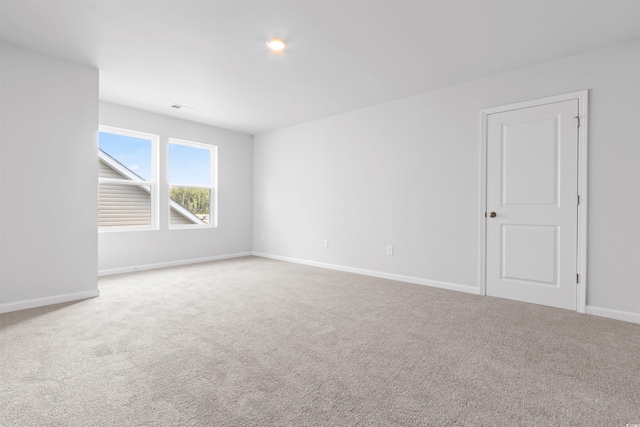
(120, 168)
(583, 166)
(482, 238)
(153, 184)
(213, 210)
(188, 143)
(583, 110)
(136, 180)
(372, 273)
(170, 264)
(204, 187)
(126, 132)
(181, 210)
(535, 102)
(625, 316)
(40, 302)
(213, 184)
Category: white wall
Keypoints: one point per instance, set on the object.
(406, 173)
(48, 123)
(122, 251)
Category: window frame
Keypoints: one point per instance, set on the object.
(153, 184)
(213, 187)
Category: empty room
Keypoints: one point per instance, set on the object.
(319, 213)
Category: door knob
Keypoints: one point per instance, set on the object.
(493, 214)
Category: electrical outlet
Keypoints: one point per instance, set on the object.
(325, 243)
(390, 250)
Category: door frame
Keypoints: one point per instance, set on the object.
(583, 109)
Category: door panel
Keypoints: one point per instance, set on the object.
(529, 253)
(532, 180)
(530, 161)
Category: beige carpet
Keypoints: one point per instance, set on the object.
(256, 342)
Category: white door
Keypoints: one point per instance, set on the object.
(532, 181)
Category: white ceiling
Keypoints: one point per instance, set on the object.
(341, 55)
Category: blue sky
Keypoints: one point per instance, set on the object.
(134, 153)
(187, 165)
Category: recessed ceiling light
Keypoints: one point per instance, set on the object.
(276, 45)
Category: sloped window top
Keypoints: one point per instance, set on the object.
(127, 180)
(133, 153)
(192, 182)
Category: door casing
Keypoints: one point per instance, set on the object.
(583, 103)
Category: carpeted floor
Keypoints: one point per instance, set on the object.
(256, 342)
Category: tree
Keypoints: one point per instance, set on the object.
(195, 200)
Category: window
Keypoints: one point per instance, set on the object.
(127, 180)
(128, 183)
(192, 181)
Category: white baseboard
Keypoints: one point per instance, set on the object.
(390, 276)
(595, 311)
(625, 316)
(170, 264)
(39, 302)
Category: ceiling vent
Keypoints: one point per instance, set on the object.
(180, 106)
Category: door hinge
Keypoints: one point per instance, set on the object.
(578, 199)
(578, 117)
(577, 278)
